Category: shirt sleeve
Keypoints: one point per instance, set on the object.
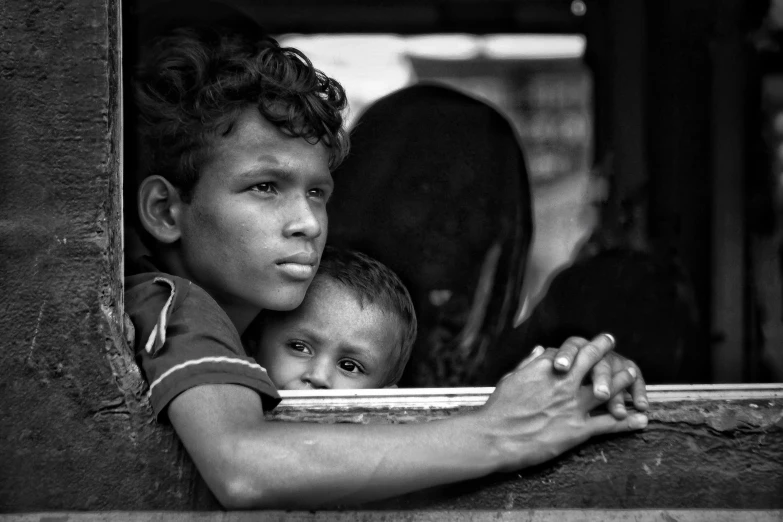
(185, 339)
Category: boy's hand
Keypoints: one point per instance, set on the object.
(536, 413)
(602, 373)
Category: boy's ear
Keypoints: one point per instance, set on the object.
(160, 209)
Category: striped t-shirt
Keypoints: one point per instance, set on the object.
(183, 338)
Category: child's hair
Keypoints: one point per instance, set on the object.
(191, 84)
(373, 283)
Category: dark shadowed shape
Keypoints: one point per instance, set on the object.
(436, 188)
(645, 301)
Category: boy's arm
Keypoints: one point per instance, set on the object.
(533, 415)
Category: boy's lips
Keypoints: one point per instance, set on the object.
(301, 258)
(299, 266)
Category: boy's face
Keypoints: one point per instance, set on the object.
(254, 230)
(330, 342)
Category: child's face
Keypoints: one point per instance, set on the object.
(254, 231)
(330, 342)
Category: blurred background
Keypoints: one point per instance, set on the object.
(648, 126)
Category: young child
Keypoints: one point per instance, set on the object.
(355, 328)
(236, 139)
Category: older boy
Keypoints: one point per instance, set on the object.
(238, 137)
(355, 328)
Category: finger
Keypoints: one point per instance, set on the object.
(616, 406)
(537, 351)
(639, 391)
(605, 423)
(620, 381)
(591, 353)
(567, 353)
(602, 379)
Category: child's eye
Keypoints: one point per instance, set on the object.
(264, 188)
(299, 346)
(350, 366)
(318, 193)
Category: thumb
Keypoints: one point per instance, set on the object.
(606, 423)
(535, 354)
(537, 351)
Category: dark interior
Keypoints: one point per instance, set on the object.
(685, 96)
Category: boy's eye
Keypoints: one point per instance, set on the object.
(299, 346)
(265, 188)
(350, 366)
(318, 193)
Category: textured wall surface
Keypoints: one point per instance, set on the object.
(71, 432)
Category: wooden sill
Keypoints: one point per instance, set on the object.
(450, 398)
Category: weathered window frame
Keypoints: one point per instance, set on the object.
(77, 434)
(695, 412)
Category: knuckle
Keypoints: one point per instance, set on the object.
(626, 379)
(602, 366)
(592, 351)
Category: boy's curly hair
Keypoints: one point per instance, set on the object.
(191, 84)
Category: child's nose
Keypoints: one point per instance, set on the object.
(303, 219)
(317, 375)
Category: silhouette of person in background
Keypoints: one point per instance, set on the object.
(436, 187)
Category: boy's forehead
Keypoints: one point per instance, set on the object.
(251, 143)
(250, 128)
(325, 286)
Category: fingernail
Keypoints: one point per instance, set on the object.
(562, 362)
(637, 421)
(610, 337)
(632, 371)
(643, 403)
(602, 391)
(538, 350)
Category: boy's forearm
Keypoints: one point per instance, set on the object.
(307, 466)
(533, 415)
(252, 463)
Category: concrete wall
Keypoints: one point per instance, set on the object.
(75, 430)
(71, 436)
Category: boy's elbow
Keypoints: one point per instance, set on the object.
(237, 483)
(238, 492)
(243, 487)
(242, 492)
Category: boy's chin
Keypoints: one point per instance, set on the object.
(284, 303)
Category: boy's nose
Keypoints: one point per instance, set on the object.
(303, 220)
(317, 376)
